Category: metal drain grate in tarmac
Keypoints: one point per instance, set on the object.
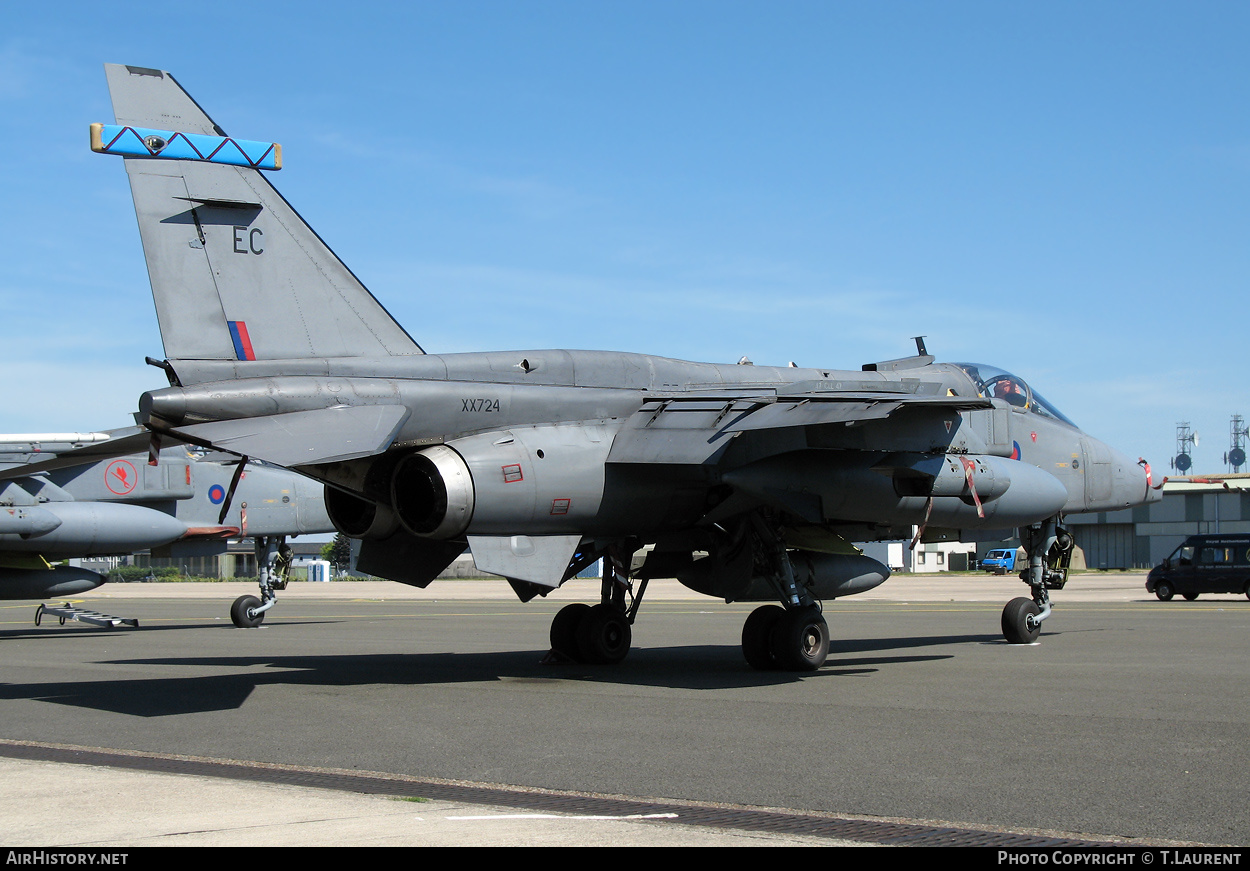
(744, 819)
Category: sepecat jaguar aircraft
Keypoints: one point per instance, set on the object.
(746, 483)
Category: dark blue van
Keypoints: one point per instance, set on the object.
(1203, 564)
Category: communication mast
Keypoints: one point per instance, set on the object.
(1237, 432)
(1186, 441)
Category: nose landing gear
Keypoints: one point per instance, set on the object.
(273, 563)
(1049, 547)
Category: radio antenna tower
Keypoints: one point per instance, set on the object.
(1186, 441)
(1237, 432)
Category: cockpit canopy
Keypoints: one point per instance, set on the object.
(995, 383)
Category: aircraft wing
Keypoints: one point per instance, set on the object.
(695, 429)
(131, 440)
(302, 437)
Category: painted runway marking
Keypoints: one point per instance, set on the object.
(567, 817)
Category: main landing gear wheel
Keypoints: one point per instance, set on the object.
(795, 640)
(1020, 625)
(757, 637)
(564, 630)
(598, 634)
(801, 639)
(1164, 591)
(603, 635)
(239, 612)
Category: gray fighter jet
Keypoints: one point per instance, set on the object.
(746, 483)
(59, 500)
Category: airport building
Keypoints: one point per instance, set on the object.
(1138, 538)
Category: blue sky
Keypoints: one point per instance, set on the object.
(1060, 189)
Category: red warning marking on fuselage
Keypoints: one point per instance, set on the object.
(120, 477)
(560, 506)
(512, 473)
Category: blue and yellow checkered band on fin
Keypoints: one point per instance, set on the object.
(172, 145)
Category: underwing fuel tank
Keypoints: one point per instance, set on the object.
(27, 522)
(52, 583)
(97, 528)
(822, 487)
(825, 575)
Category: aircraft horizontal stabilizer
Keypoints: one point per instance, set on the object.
(130, 141)
(302, 437)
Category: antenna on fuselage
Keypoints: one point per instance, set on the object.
(920, 349)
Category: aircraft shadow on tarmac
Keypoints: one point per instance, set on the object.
(51, 629)
(703, 667)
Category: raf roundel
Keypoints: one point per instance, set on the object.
(216, 494)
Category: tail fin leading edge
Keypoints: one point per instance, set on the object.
(236, 273)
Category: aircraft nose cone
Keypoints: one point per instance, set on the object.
(1129, 482)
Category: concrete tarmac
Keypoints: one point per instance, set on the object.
(46, 804)
(301, 691)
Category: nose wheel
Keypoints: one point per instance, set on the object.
(243, 612)
(1020, 623)
(273, 558)
(1049, 547)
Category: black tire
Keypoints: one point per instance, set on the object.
(800, 640)
(239, 615)
(1189, 597)
(1248, 589)
(1017, 628)
(564, 630)
(603, 635)
(757, 634)
(1165, 591)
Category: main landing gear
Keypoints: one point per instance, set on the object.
(600, 634)
(1049, 547)
(273, 563)
(790, 638)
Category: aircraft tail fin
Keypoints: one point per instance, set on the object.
(236, 273)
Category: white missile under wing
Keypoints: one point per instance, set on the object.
(747, 483)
